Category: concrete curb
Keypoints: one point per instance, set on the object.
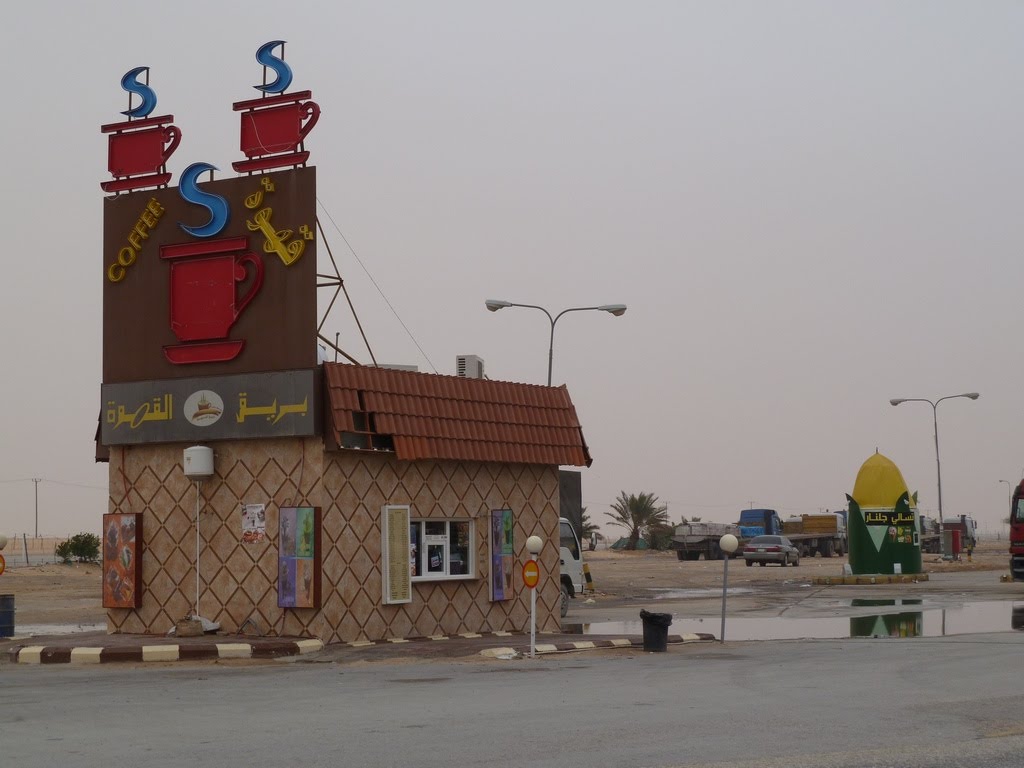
(428, 638)
(40, 654)
(588, 645)
(879, 578)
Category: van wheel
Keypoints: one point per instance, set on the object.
(565, 601)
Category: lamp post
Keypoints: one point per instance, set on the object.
(727, 544)
(938, 467)
(615, 309)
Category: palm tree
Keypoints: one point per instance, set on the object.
(638, 514)
(591, 531)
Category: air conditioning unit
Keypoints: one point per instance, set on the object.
(469, 367)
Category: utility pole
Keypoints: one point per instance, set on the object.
(37, 481)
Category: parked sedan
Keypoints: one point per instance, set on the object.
(771, 549)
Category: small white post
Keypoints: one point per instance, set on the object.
(727, 544)
(534, 544)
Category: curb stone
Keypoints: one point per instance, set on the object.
(586, 645)
(40, 654)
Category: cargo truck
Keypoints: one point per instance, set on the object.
(1017, 534)
(811, 534)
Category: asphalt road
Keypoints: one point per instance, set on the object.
(953, 701)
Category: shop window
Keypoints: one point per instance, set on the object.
(440, 549)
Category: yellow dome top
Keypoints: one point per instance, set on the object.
(879, 483)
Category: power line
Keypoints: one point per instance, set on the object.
(379, 290)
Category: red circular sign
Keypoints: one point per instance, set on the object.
(3, 564)
(531, 573)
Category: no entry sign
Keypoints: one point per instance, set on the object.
(531, 573)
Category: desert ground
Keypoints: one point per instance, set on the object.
(70, 594)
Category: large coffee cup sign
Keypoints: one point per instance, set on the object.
(205, 300)
(184, 305)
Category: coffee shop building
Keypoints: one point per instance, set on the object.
(251, 484)
(443, 457)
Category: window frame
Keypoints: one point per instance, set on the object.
(424, 576)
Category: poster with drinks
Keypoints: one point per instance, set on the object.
(298, 581)
(502, 555)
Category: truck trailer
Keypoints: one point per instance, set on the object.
(811, 534)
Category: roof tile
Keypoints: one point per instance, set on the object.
(447, 417)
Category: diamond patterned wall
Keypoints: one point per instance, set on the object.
(238, 581)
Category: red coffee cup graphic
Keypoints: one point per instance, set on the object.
(137, 152)
(277, 129)
(205, 302)
(273, 129)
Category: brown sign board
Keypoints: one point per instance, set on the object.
(241, 301)
(257, 405)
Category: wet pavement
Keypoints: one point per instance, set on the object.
(947, 605)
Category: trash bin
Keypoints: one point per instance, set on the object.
(6, 615)
(655, 630)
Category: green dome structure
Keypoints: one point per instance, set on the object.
(884, 526)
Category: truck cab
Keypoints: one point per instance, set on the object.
(571, 559)
(760, 522)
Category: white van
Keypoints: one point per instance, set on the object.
(571, 556)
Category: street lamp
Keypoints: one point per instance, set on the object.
(938, 467)
(615, 309)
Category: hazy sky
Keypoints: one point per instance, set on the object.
(809, 208)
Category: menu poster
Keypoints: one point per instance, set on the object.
(298, 581)
(397, 562)
(502, 554)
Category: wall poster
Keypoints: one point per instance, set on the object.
(122, 561)
(254, 523)
(298, 581)
(399, 554)
(502, 555)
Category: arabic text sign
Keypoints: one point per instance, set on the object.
(280, 404)
(888, 517)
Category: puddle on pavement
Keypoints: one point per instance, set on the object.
(969, 618)
(21, 630)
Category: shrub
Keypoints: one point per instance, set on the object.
(83, 547)
(63, 551)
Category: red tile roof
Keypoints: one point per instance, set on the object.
(428, 416)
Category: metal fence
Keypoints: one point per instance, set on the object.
(26, 549)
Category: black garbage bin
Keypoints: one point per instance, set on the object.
(6, 615)
(655, 630)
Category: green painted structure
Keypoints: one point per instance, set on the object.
(883, 525)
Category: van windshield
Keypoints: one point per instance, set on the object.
(567, 539)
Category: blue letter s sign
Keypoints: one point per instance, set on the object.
(215, 204)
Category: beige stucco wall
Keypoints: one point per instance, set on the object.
(238, 582)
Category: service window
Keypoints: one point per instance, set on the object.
(441, 549)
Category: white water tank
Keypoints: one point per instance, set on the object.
(198, 462)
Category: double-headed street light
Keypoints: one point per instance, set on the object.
(938, 467)
(615, 309)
